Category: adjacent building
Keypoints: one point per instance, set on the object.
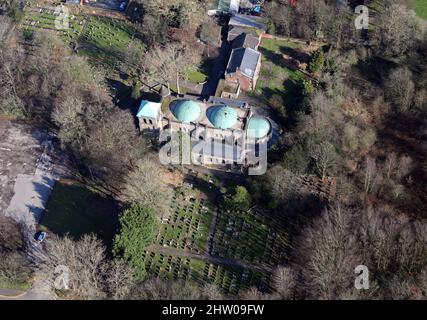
(219, 128)
(243, 68)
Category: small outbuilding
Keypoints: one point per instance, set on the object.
(149, 115)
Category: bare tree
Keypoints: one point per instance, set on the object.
(325, 158)
(147, 185)
(399, 88)
(68, 116)
(328, 254)
(390, 164)
(210, 291)
(5, 25)
(284, 282)
(185, 12)
(253, 294)
(14, 265)
(158, 289)
(168, 62)
(404, 166)
(119, 279)
(283, 184)
(312, 18)
(371, 175)
(85, 260)
(396, 30)
(114, 145)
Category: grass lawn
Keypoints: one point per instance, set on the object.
(107, 34)
(421, 8)
(21, 286)
(108, 42)
(78, 210)
(198, 75)
(275, 77)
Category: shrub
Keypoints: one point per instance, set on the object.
(317, 61)
(138, 226)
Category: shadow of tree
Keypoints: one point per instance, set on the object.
(77, 210)
(296, 54)
(272, 56)
(376, 69)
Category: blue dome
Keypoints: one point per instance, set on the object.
(222, 117)
(258, 127)
(186, 111)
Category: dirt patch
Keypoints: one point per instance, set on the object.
(19, 151)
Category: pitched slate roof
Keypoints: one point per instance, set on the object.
(245, 40)
(245, 59)
(235, 31)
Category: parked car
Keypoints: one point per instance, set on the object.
(122, 6)
(40, 236)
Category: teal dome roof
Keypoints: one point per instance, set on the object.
(186, 111)
(148, 109)
(258, 127)
(222, 117)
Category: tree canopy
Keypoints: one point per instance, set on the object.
(138, 226)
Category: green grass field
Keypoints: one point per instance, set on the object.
(201, 74)
(421, 8)
(196, 76)
(275, 77)
(21, 286)
(77, 210)
(108, 35)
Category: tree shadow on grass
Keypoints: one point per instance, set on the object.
(296, 54)
(76, 210)
(272, 56)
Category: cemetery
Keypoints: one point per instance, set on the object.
(188, 226)
(249, 236)
(229, 278)
(44, 18)
(185, 249)
(103, 39)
